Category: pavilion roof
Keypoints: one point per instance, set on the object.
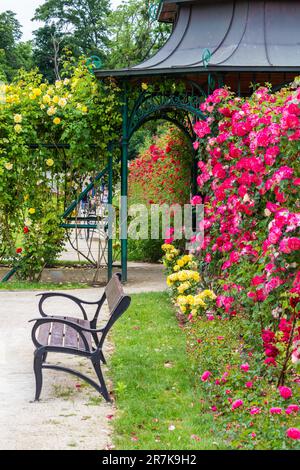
(225, 35)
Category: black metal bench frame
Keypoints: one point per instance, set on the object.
(117, 302)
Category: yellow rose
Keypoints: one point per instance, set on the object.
(31, 210)
(62, 102)
(209, 293)
(49, 162)
(84, 109)
(180, 263)
(8, 166)
(66, 81)
(190, 299)
(18, 128)
(144, 86)
(46, 99)
(199, 301)
(37, 91)
(51, 111)
(176, 268)
(56, 120)
(18, 118)
(181, 288)
(167, 247)
(182, 276)
(183, 308)
(194, 312)
(55, 99)
(181, 300)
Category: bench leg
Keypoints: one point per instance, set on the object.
(37, 367)
(102, 357)
(98, 371)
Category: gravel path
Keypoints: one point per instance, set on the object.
(70, 414)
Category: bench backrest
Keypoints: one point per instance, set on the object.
(114, 292)
(117, 302)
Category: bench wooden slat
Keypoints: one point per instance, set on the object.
(43, 335)
(56, 338)
(71, 338)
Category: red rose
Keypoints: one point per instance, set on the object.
(25, 229)
(19, 250)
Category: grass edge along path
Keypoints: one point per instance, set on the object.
(15, 285)
(158, 405)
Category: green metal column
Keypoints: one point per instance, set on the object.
(124, 185)
(110, 217)
(194, 172)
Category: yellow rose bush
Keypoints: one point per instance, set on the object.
(37, 182)
(186, 285)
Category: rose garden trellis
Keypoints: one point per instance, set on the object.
(228, 42)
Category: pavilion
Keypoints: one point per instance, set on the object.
(213, 43)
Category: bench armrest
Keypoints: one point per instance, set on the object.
(76, 300)
(75, 326)
(66, 322)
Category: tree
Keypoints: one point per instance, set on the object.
(48, 50)
(13, 54)
(83, 20)
(135, 32)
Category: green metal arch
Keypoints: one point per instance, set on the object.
(165, 117)
(155, 106)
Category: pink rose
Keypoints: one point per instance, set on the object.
(245, 367)
(292, 409)
(207, 258)
(275, 411)
(201, 128)
(249, 384)
(255, 410)
(237, 404)
(214, 408)
(285, 392)
(205, 376)
(293, 433)
(196, 200)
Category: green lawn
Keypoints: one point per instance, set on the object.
(155, 396)
(45, 286)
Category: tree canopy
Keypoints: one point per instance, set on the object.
(135, 33)
(13, 54)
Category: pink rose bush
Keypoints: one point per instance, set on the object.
(245, 399)
(249, 256)
(248, 181)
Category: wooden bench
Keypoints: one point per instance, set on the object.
(70, 335)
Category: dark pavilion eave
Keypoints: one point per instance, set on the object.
(240, 35)
(132, 73)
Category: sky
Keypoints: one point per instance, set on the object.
(25, 11)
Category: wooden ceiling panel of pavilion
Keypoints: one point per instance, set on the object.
(213, 43)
